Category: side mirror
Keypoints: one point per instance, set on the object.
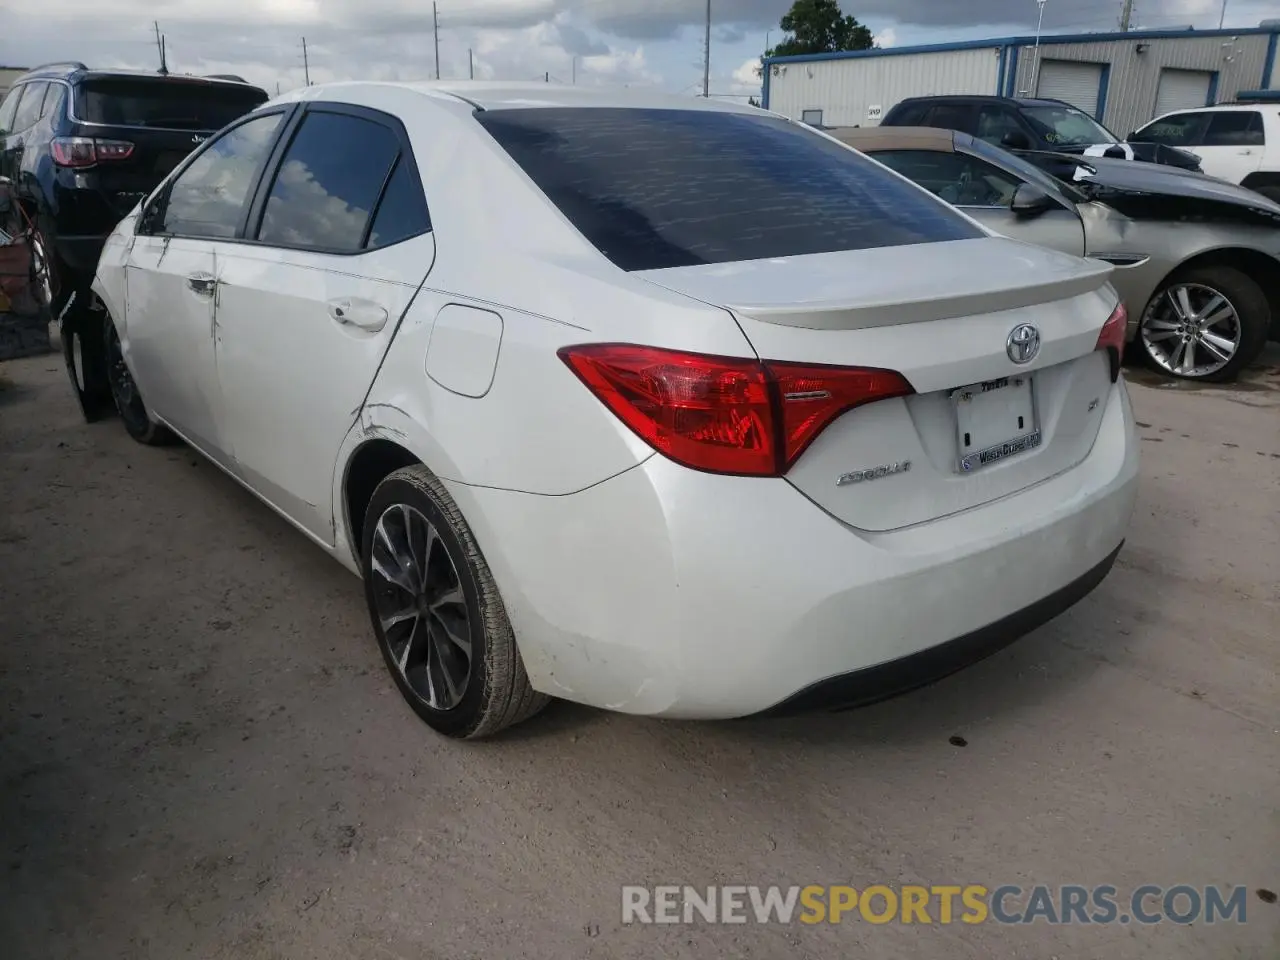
(1132, 136)
(1015, 140)
(150, 216)
(1030, 201)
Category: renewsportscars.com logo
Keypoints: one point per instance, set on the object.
(940, 904)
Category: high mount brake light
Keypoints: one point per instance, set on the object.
(725, 414)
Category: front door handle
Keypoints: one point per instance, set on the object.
(354, 312)
(202, 284)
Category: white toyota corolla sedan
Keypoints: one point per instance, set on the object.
(663, 405)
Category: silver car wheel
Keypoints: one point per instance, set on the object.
(1191, 330)
(420, 604)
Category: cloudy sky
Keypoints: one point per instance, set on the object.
(656, 42)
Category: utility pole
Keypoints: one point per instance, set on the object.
(1126, 15)
(547, 77)
(1222, 16)
(435, 25)
(306, 65)
(1035, 66)
(706, 56)
(575, 70)
(471, 62)
(159, 47)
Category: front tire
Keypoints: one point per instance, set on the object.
(1206, 324)
(124, 392)
(436, 611)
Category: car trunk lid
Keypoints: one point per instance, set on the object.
(979, 426)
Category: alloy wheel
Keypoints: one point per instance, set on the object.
(420, 605)
(1191, 330)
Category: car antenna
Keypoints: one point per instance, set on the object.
(164, 66)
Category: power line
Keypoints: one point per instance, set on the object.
(435, 28)
(306, 65)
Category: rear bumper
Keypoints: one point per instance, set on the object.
(886, 680)
(668, 592)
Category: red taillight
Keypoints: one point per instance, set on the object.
(86, 151)
(814, 395)
(723, 414)
(1111, 338)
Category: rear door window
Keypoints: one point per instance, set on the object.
(1235, 128)
(328, 183)
(951, 116)
(29, 106)
(169, 104)
(909, 114)
(673, 188)
(995, 122)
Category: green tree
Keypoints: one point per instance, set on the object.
(819, 26)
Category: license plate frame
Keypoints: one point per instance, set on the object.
(981, 412)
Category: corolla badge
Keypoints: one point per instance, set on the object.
(874, 473)
(1023, 343)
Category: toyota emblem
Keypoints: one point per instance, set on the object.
(1023, 343)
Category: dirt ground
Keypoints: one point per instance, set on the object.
(201, 754)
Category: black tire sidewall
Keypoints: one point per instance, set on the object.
(463, 719)
(1252, 310)
(134, 415)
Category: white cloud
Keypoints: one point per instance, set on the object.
(748, 75)
(614, 41)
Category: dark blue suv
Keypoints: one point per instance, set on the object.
(84, 146)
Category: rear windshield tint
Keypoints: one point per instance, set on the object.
(170, 104)
(674, 188)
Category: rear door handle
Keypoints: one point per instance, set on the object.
(202, 284)
(354, 312)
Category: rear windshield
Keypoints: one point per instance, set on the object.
(171, 104)
(674, 188)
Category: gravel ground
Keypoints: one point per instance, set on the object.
(201, 754)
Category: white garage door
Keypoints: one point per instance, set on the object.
(1182, 90)
(1076, 83)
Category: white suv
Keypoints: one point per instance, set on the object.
(1239, 142)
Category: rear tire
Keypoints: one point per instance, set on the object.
(124, 392)
(1208, 290)
(437, 613)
